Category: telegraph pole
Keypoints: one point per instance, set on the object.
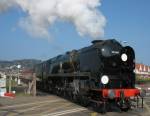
(10, 78)
(18, 80)
(34, 84)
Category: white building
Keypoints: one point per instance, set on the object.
(2, 84)
(142, 70)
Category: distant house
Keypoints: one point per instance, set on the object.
(2, 84)
(27, 74)
(142, 70)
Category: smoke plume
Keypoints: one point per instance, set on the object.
(5, 4)
(41, 14)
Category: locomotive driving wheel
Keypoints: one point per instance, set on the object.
(101, 107)
(84, 101)
(124, 106)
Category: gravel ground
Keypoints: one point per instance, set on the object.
(50, 105)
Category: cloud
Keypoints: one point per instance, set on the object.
(41, 14)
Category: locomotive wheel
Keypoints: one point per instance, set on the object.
(112, 106)
(104, 108)
(100, 107)
(125, 106)
(75, 98)
(64, 94)
(70, 95)
(125, 109)
(85, 101)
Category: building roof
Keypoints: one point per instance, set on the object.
(142, 68)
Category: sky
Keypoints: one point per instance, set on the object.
(127, 20)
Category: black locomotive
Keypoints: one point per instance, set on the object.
(101, 74)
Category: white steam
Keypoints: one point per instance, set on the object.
(41, 14)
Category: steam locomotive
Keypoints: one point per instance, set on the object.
(101, 74)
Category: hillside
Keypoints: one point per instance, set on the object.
(25, 63)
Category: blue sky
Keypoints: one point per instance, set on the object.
(127, 20)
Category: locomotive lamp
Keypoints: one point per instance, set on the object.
(124, 57)
(104, 79)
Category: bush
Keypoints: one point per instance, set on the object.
(140, 79)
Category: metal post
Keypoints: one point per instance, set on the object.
(142, 102)
(18, 77)
(137, 101)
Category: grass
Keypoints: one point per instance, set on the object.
(13, 84)
(142, 80)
